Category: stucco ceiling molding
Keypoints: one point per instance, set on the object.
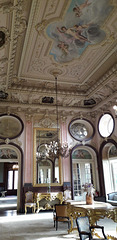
(103, 81)
(30, 33)
(34, 14)
(106, 102)
(95, 62)
(16, 17)
(54, 11)
(41, 106)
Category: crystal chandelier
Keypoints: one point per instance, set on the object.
(55, 149)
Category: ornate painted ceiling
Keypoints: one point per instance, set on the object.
(75, 40)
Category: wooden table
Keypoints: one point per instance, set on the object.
(96, 211)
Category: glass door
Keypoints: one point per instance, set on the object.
(83, 172)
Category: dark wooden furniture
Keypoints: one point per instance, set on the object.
(61, 215)
(85, 230)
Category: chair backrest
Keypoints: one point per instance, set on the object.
(67, 194)
(61, 210)
(29, 197)
(83, 225)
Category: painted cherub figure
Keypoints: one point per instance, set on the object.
(75, 34)
(64, 47)
(78, 8)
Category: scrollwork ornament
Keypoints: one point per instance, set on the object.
(19, 143)
(41, 26)
(8, 7)
(7, 141)
(22, 26)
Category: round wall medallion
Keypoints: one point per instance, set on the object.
(81, 129)
(11, 126)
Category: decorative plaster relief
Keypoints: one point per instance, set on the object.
(8, 7)
(45, 122)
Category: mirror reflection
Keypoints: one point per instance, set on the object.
(47, 169)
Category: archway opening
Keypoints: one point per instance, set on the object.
(84, 170)
(10, 181)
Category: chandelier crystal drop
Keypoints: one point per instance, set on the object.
(55, 149)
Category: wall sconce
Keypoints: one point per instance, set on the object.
(15, 167)
(115, 108)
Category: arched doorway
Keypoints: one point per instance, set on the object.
(109, 161)
(83, 170)
(11, 153)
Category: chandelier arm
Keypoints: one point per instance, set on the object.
(55, 149)
(57, 108)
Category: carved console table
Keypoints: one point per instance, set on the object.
(47, 201)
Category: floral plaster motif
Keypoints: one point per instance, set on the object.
(80, 28)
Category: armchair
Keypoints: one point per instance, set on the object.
(84, 228)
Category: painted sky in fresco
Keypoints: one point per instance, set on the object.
(80, 28)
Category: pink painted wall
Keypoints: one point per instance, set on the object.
(65, 161)
(28, 166)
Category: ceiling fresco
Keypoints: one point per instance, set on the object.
(73, 39)
(81, 27)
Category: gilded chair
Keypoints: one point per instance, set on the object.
(85, 230)
(29, 201)
(61, 215)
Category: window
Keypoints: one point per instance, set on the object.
(88, 173)
(12, 179)
(106, 125)
(81, 129)
(77, 179)
(110, 170)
